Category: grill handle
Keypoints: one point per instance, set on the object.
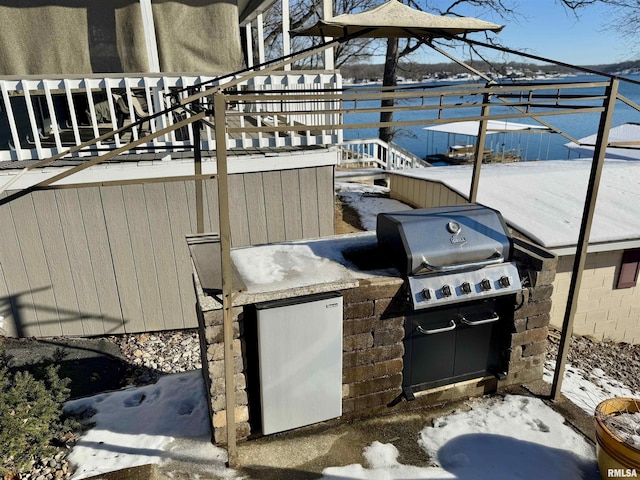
(494, 259)
(494, 318)
(452, 326)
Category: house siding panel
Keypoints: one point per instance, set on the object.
(179, 224)
(163, 253)
(291, 203)
(325, 200)
(101, 262)
(34, 258)
(121, 251)
(114, 259)
(62, 278)
(256, 217)
(423, 193)
(74, 249)
(309, 203)
(274, 206)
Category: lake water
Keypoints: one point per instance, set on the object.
(529, 146)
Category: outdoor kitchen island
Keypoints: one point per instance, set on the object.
(375, 306)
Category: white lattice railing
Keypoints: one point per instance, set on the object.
(42, 117)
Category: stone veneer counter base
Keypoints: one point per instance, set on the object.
(375, 304)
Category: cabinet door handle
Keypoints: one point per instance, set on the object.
(452, 326)
(494, 318)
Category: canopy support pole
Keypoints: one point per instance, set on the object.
(583, 239)
(197, 167)
(460, 62)
(480, 142)
(219, 107)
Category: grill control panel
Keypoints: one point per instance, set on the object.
(447, 288)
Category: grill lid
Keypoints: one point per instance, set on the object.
(443, 239)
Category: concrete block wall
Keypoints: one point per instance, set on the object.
(537, 269)
(372, 345)
(212, 351)
(604, 312)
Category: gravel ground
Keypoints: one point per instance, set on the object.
(152, 355)
(146, 356)
(620, 361)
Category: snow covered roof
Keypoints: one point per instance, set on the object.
(545, 200)
(628, 132)
(471, 128)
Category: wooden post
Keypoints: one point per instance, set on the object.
(219, 106)
(583, 239)
(260, 38)
(327, 13)
(149, 29)
(480, 141)
(286, 25)
(249, 40)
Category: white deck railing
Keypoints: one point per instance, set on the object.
(376, 153)
(41, 117)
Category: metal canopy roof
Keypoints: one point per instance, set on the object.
(395, 20)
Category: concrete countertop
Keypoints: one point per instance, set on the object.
(292, 269)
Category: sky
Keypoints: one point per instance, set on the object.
(511, 437)
(547, 29)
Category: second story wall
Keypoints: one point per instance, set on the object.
(40, 37)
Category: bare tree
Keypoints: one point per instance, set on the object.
(305, 13)
(626, 19)
(506, 10)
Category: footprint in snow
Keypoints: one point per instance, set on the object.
(186, 408)
(539, 425)
(134, 400)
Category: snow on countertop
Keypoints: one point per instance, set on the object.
(545, 199)
(290, 269)
(284, 270)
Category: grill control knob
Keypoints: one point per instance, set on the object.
(504, 281)
(485, 284)
(426, 294)
(466, 287)
(446, 291)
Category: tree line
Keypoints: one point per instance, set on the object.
(362, 72)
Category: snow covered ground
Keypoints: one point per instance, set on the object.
(513, 437)
(368, 201)
(588, 389)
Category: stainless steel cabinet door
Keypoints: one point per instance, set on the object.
(300, 357)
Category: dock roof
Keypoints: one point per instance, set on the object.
(625, 135)
(545, 199)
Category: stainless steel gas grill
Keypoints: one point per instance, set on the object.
(462, 287)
